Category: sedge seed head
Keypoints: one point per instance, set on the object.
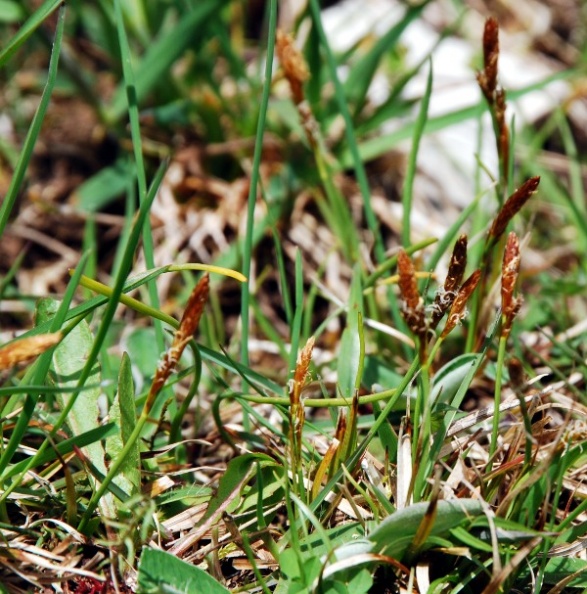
(413, 305)
(487, 78)
(510, 305)
(294, 66)
(512, 206)
(456, 270)
(458, 309)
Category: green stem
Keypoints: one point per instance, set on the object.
(497, 398)
(252, 199)
(315, 402)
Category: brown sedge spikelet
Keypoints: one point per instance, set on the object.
(413, 305)
(458, 308)
(456, 269)
(297, 416)
(187, 328)
(294, 66)
(494, 95)
(510, 305)
(296, 72)
(301, 371)
(26, 348)
(503, 141)
(511, 207)
(487, 78)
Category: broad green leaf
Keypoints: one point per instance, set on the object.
(238, 472)
(378, 376)
(163, 573)
(69, 359)
(560, 568)
(102, 188)
(135, 15)
(394, 535)
(187, 496)
(143, 351)
(312, 549)
(273, 485)
(123, 413)
(450, 377)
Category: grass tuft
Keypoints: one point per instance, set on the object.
(223, 366)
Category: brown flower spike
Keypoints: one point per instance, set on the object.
(495, 95)
(487, 78)
(512, 206)
(413, 305)
(510, 305)
(503, 141)
(299, 380)
(185, 332)
(293, 63)
(458, 309)
(301, 371)
(296, 410)
(456, 270)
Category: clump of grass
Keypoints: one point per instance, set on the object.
(349, 464)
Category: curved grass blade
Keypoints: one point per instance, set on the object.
(252, 198)
(162, 53)
(411, 169)
(35, 127)
(33, 22)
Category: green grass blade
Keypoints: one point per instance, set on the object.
(357, 162)
(162, 54)
(32, 24)
(160, 571)
(35, 127)
(298, 313)
(362, 73)
(133, 112)
(411, 169)
(252, 199)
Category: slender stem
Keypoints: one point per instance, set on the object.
(252, 199)
(497, 396)
(316, 402)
